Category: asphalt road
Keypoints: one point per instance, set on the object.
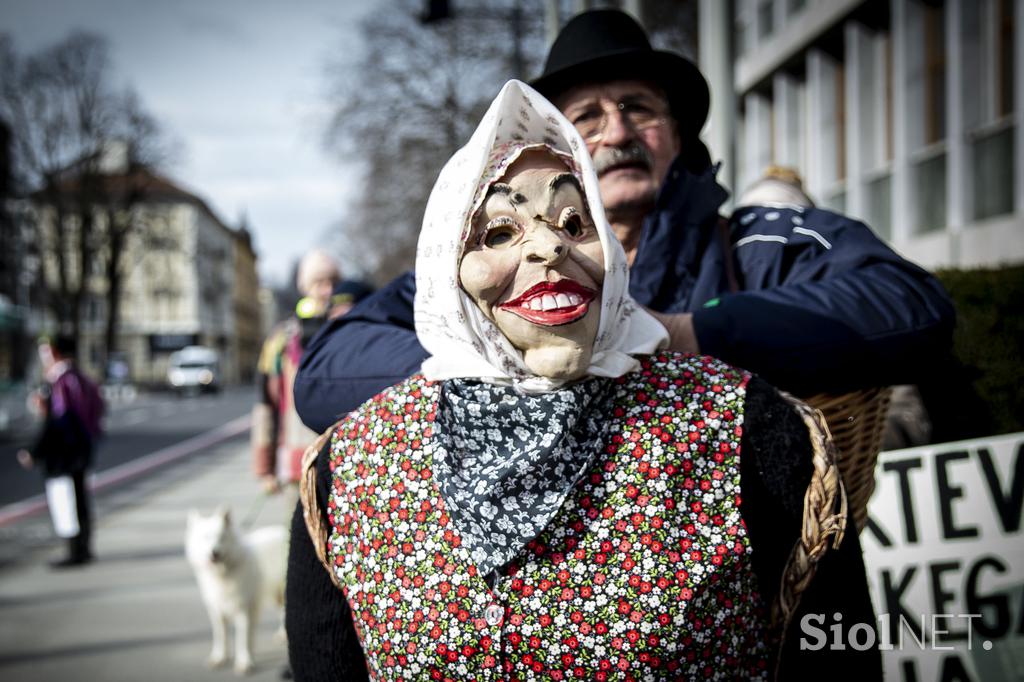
(134, 429)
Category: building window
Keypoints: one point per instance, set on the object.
(1004, 57)
(993, 172)
(988, 35)
(765, 19)
(928, 150)
(934, 73)
(739, 45)
(836, 201)
(840, 122)
(878, 207)
(930, 174)
(887, 95)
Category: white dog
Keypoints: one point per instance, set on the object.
(236, 574)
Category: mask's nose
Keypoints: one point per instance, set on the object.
(544, 245)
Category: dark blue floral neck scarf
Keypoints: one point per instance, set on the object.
(506, 461)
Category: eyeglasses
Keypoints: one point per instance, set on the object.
(639, 114)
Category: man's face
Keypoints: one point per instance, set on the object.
(320, 289)
(534, 266)
(631, 163)
(47, 356)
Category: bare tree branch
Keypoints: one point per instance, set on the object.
(82, 151)
(409, 102)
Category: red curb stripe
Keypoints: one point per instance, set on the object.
(135, 468)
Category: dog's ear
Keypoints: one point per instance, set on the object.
(226, 513)
(193, 517)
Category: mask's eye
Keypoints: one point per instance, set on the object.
(572, 222)
(500, 232)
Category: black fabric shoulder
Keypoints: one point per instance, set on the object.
(778, 437)
(322, 640)
(775, 469)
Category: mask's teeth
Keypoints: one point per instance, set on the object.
(548, 302)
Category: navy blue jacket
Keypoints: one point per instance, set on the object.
(822, 304)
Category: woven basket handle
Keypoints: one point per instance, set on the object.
(315, 525)
(824, 519)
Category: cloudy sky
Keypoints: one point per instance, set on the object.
(241, 84)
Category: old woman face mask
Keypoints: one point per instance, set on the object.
(534, 265)
(519, 278)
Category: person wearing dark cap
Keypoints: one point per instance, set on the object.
(810, 300)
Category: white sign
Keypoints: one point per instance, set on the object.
(944, 551)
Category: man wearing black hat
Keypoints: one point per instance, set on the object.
(811, 300)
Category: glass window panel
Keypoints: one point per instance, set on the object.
(930, 177)
(1005, 59)
(935, 74)
(879, 206)
(836, 202)
(993, 174)
(766, 19)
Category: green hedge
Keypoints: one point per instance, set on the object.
(982, 392)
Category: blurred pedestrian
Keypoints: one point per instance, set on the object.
(346, 294)
(72, 410)
(279, 436)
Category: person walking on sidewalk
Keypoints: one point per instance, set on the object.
(72, 409)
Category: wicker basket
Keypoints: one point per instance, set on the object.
(856, 421)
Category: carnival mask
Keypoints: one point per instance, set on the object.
(534, 265)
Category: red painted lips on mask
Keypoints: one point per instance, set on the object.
(552, 303)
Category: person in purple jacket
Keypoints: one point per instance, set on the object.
(810, 300)
(72, 411)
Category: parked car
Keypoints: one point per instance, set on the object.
(194, 368)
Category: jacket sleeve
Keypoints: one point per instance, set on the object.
(825, 305)
(358, 355)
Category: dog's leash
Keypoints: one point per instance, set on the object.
(254, 510)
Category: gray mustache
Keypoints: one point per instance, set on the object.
(609, 157)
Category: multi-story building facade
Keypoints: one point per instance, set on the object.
(186, 279)
(906, 114)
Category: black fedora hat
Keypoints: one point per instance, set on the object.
(607, 44)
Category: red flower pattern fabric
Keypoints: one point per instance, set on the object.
(644, 573)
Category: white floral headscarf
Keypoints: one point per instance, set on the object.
(462, 342)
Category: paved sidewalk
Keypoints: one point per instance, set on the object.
(135, 613)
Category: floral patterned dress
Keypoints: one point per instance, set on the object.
(644, 572)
